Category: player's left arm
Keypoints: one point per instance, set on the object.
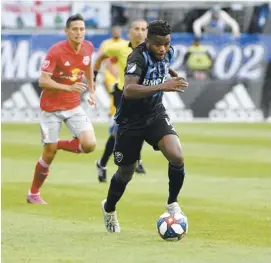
(110, 52)
(173, 73)
(98, 63)
(110, 65)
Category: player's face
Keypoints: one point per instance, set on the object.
(215, 15)
(138, 32)
(158, 46)
(116, 32)
(76, 31)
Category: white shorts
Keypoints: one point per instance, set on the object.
(50, 123)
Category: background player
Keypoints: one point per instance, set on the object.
(61, 80)
(119, 51)
(111, 71)
(141, 117)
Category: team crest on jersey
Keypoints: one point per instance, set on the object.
(131, 68)
(86, 60)
(45, 64)
(118, 156)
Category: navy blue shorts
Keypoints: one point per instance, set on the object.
(129, 141)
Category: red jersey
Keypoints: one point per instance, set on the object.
(66, 67)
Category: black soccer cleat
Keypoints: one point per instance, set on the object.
(101, 172)
(140, 168)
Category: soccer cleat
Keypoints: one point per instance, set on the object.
(111, 222)
(35, 199)
(101, 172)
(174, 208)
(140, 169)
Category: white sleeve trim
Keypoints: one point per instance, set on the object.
(49, 73)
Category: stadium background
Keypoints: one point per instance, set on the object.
(228, 176)
(240, 67)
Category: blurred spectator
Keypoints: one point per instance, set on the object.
(118, 15)
(151, 14)
(216, 21)
(111, 66)
(198, 61)
(19, 22)
(58, 21)
(259, 18)
(186, 24)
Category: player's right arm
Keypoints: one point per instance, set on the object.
(101, 57)
(110, 52)
(46, 82)
(47, 70)
(111, 67)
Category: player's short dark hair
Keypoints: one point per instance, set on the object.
(158, 28)
(74, 18)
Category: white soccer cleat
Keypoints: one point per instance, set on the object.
(174, 208)
(111, 222)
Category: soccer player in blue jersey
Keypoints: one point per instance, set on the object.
(141, 117)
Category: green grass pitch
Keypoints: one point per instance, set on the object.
(226, 196)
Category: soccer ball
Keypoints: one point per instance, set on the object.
(172, 227)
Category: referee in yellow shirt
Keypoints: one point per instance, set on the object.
(119, 51)
(111, 68)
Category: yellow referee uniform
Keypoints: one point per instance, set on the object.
(109, 78)
(120, 51)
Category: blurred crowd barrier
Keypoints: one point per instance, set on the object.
(53, 15)
(232, 91)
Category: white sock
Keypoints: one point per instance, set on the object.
(44, 164)
(29, 193)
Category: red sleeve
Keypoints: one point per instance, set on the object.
(49, 63)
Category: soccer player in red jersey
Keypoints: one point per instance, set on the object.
(61, 80)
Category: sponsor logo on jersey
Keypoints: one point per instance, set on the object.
(45, 64)
(86, 60)
(151, 82)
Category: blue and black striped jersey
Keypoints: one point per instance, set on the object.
(138, 112)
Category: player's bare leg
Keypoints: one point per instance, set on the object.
(41, 173)
(170, 146)
(87, 141)
(80, 126)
